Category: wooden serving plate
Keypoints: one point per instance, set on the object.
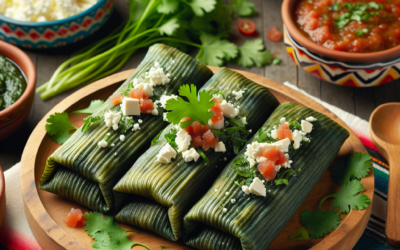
(2, 197)
(45, 211)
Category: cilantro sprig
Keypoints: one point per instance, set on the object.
(107, 233)
(350, 168)
(59, 127)
(356, 11)
(253, 53)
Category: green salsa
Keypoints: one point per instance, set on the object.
(12, 83)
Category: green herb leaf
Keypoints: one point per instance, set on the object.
(196, 108)
(320, 222)
(295, 125)
(283, 177)
(169, 27)
(171, 140)
(335, 7)
(252, 53)
(107, 233)
(301, 235)
(350, 168)
(374, 5)
(93, 107)
(214, 50)
(200, 7)
(276, 61)
(205, 158)
(242, 167)
(168, 6)
(156, 138)
(59, 127)
(350, 197)
(88, 121)
(243, 7)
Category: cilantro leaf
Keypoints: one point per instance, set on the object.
(196, 108)
(156, 138)
(320, 222)
(204, 156)
(168, 6)
(251, 53)
(214, 50)
(349, 197)
(201, 6)
(107, 233)
(93, 107)
(301, 235)
(169, 27)
(349, 168)
(88, 121)
(243, 7)
(59, 127)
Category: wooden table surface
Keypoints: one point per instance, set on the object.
(358, 101)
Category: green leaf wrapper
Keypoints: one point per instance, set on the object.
(91, 171)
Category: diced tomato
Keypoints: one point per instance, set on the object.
(275, 155)
(209, 140)
(80, 223)
(197, 141)
(267, 169)
(204, 128)
(284, 132)
(74, 218)
(216, 109)
(146, 106)
(196, 128)
(274, 34)
(246, 27)
(116, 99)
(137, 94)
(188, 129)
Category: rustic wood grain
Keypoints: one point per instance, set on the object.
(364, 102)
(309, 83)
(342, 97)
(45, 210)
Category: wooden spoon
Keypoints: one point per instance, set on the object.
(384, 127)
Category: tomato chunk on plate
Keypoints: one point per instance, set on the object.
(284, 132)
(116, 99)
(74, 218)
(274, 34)
(137, 94)
(146, 106)
(267, 169)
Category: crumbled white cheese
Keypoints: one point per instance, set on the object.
(166, 154)
(122, 137)
(154, 111)
(165, 117)
(183, 140)
(165, 98)
(297, 138)
(217, 125)
(112, 144)
(136, 126)
(112, 119)
(147, 88)
(140, 121)
(251, 161)
(261, 159)
(244, 120)
(224, 210)
(102, 144)
(157, 76)
(216, 190)
(130, 106)
(255, 149)
(282, 121)
(257, 187)
(274, 134)
(233, 201)
(219, 97)
(220, 147)
(306, 126)
(228, 109)
(238, 94)
(250, 130)
(311, 119)
(246, 190)
(227, 193)
(190, 155)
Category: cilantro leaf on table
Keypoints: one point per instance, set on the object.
(200, 7)
(251, 53)
(350, 197)
(349, 168)
(107, 233)
(93, 107)
(197, 108)
(320, 222)
(168, 6)
(169, 27)
(243, 7)
(213, 50)
(59, 127)
(301, 235)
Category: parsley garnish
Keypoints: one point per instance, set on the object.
(156, 138)
(235, 136)
(89, 121)
(356, 12)
(295, 125)
(196, 108)
(205, 158)
(361, 32)
(243, 7)
(283, 177)
(350, 168)
(93, 107)
(126, 92)
(125, 123)
(59, 127)
(107, 233)
(214, 50)
(170, 137)
(350, 197)
(253, 53)
(244, 172)
(320, 222)
(264, 136)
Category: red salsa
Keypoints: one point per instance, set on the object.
(359, 26)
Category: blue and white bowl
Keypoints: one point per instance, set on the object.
(52, 34)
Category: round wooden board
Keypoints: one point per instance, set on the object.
(45, 211)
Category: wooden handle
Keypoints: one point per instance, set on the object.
(393, 203)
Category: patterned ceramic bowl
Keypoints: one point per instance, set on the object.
(338, 67)
(12, 118)
(51, 34)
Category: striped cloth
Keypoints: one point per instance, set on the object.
(16, 234)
